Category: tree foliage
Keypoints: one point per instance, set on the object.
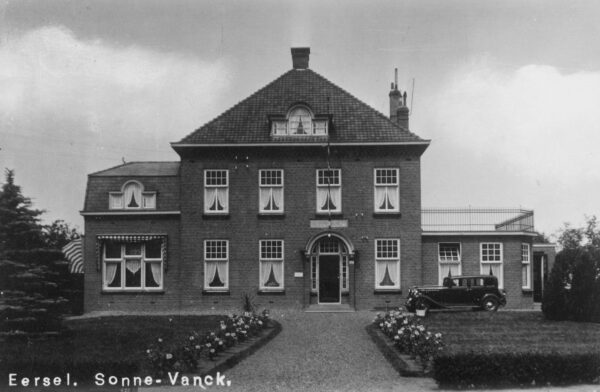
(572, 291)
(35, 283)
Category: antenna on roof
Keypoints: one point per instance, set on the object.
(412, 95)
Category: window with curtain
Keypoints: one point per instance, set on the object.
(525, 266)
(270, 188)
(216, 265)
(329, 191)
(216, 191)
(387, 264)
(132, 266)
(449, 259)
(300, 122)
(387, 190)
(491, 260)
(271, 265)
(132, 197)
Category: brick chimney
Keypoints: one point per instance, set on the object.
(398, 110)
(300, 57)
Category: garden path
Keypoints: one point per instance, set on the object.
(319, 352)
(327, 352)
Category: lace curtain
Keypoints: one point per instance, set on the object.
(212, 268)
(268, 281)
(271, 199)
(216, 199)
(329, 198)
(495, 269)
(392, 268)
(386, 198)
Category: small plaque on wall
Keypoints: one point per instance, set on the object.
(298, 274)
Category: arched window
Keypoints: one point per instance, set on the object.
(300, 122)
(132, 197)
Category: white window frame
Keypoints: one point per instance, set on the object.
(260, 267)
(338, 188)
(261, 186)
(526, 264)
(147, 200)
(122, 261)
(396, 190)
(445, 261)
(378, 258)
(316, 127)
(210, 187)
(216, 259)
(485, 264)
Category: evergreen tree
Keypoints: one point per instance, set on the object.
(19, 223)
(34, 278)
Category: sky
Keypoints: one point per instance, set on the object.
(508, 92)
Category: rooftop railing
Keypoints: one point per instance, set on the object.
(477, 219)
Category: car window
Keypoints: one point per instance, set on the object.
(489, 282)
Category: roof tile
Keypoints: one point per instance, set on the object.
(353, 121)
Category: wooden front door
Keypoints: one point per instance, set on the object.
(329, 279)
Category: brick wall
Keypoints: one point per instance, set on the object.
(516, 296)
(244, 227)
(96, 300)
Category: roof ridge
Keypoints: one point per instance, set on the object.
(129, 163)
(386, 118)
(234, 106)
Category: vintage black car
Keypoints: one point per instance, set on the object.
(477, 291)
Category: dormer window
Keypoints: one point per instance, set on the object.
(300, 122)
(132, 197)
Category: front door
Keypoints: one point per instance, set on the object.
(329, 279)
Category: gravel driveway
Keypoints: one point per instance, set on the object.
(326, 352)
(319, 352)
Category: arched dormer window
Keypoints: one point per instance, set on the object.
(300, 121)
(132, 197)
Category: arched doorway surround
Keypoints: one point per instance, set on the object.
(330, 256)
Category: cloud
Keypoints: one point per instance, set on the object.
(535, 119)
(526, 136)
(70, 106)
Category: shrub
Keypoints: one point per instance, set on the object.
(480, 370)
(410, 336)
(573, 288)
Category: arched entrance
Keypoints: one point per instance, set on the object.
(329, 255)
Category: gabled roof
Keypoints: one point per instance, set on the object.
(353, 121)
(133, 169)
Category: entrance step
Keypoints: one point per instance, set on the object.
(329, 308)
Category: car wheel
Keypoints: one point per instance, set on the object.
(490, 304)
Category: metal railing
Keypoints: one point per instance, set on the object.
(477, 219)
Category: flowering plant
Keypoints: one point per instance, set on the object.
(410, 336)
(186, 354)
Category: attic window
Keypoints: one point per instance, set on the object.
(299, 122)
(132, 197)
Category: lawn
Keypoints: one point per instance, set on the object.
(110, 344)
(511, 332)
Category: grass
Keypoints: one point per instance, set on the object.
(512, 332)
(113, 342)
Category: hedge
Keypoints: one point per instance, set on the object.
(477, 370)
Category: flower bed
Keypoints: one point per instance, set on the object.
(185, 355)
(410, 336)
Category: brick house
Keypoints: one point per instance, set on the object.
(299, 195)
